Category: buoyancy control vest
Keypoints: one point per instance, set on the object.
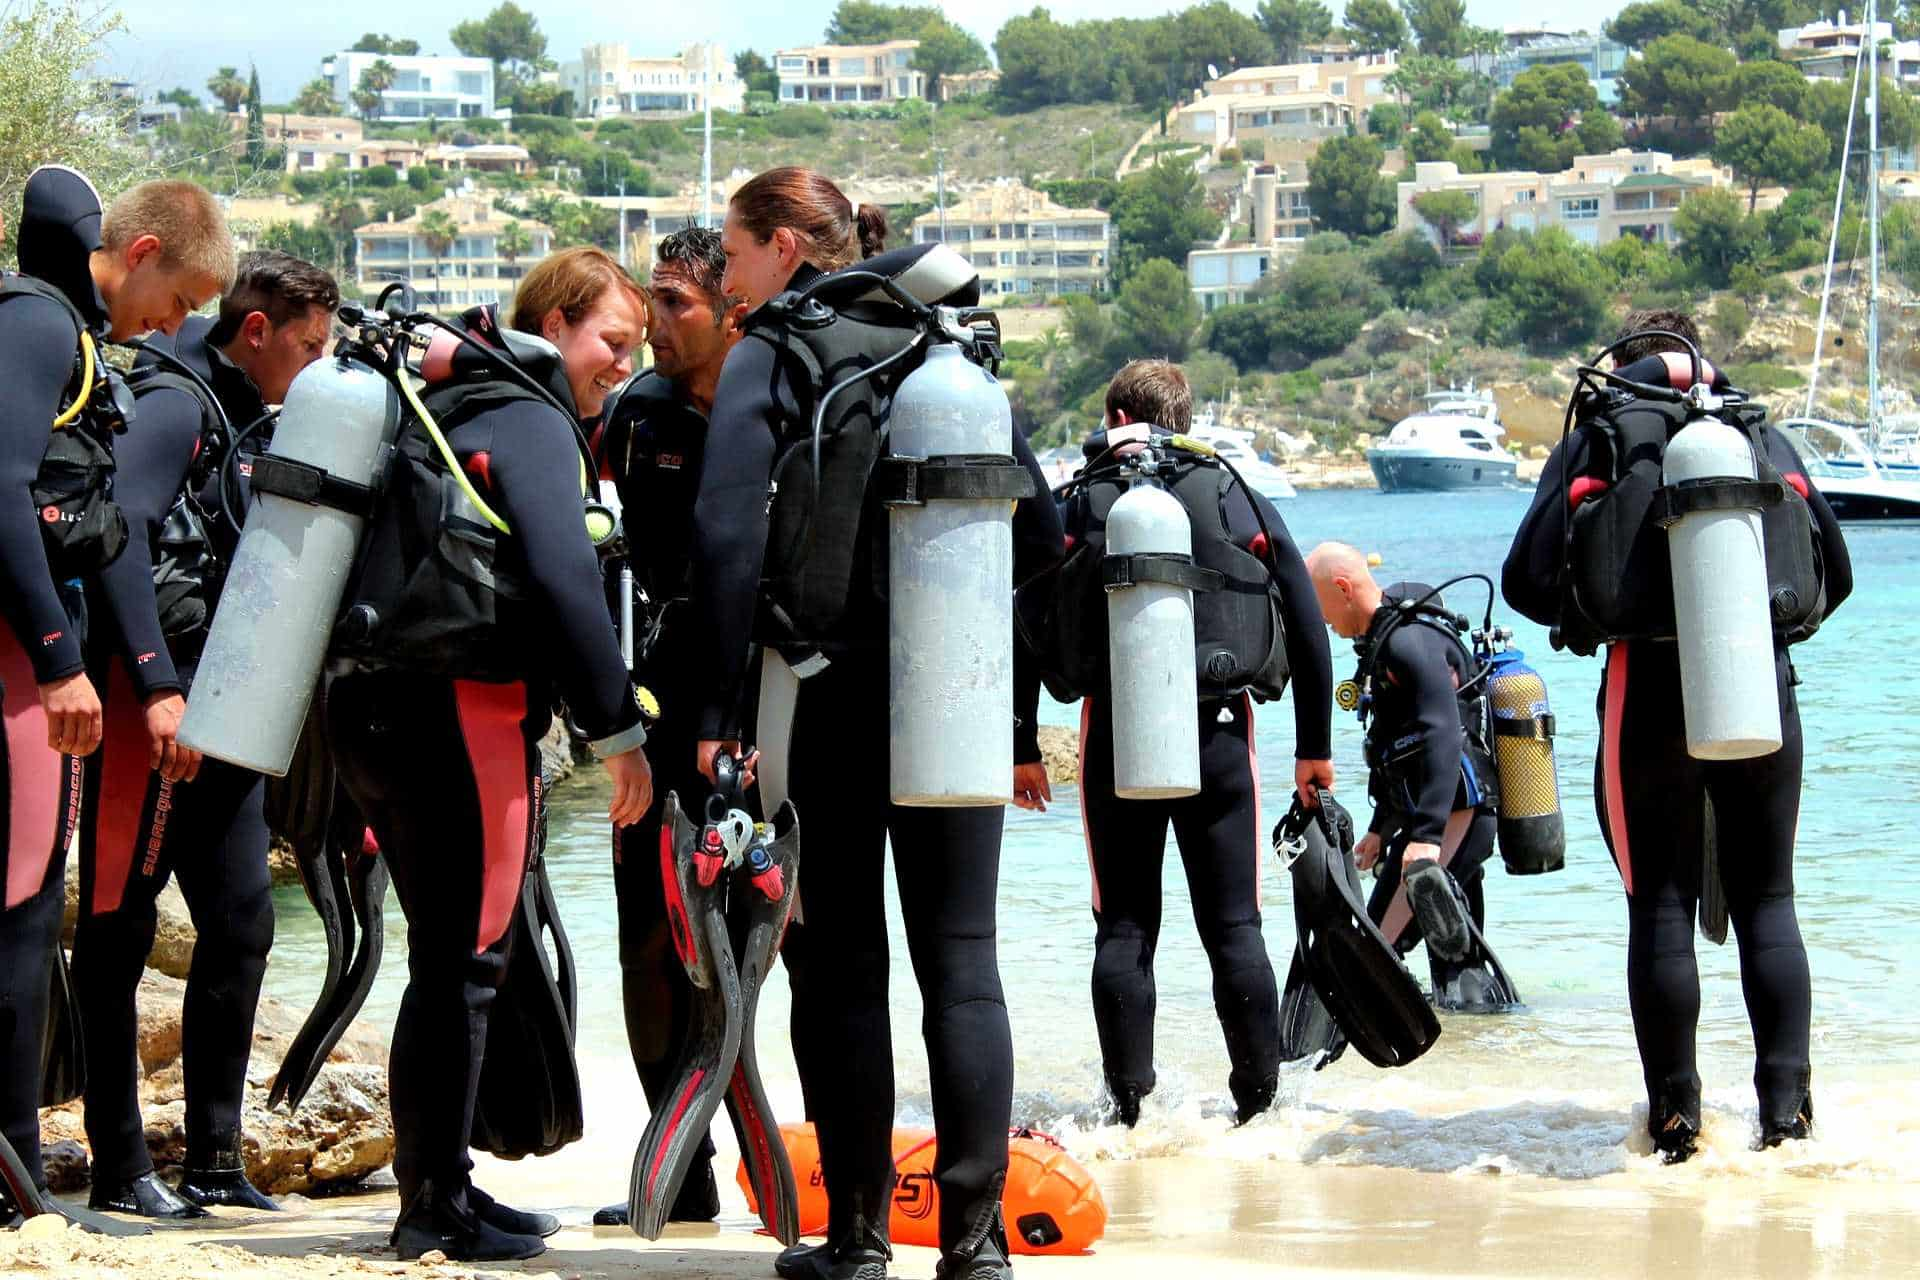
(83, 529)
(1239, 637)
(1618, 582)
(187, 567)
(426, 594)
(1392, 750)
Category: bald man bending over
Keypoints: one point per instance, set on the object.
(1432, 821)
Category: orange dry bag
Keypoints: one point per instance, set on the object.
(1052, 1205)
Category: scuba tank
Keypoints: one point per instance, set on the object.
(950, 603)
(312, 493)
(1156, 736)
(1722, 615)
(1532, 832)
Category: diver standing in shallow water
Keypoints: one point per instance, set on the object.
(1251, 633)
(438, 748)
(160, 252)
(1421, 696)
(783, 229)
(1607, 579)
(201, 820)
(651, 446)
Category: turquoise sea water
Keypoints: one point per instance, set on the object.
(1548, 1090)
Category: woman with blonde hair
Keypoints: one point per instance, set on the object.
(444, 761)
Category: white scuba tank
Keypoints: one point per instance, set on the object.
(270, 632)
(950, 599)
(1150, 650)
(1721, 618)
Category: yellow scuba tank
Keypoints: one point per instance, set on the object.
(1532, 833)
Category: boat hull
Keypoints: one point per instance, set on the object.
(1400, 472)
(1869, 501)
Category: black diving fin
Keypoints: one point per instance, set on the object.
(324, 877)
(1306, 1028)
(1477, 982)
(730, 888)
(63, 1050)
(1713, 893)
(1369, 993)
(30, 1201)
(364, 874)
(529, 1101)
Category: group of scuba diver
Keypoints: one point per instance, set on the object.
(801, 568)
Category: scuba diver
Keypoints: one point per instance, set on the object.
(1432, 778)
(816, 540)
(1258, 623)
(152, 808)
(436, 738)
(650, 446)
(159, 252)
(1585, 562)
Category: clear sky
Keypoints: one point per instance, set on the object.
(173, 42)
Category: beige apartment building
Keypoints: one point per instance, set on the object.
(609, 81)
(827, 74)
(470, 271)
(1274, 200)
(1599, 199)
(1307, 100)
(1022, 243)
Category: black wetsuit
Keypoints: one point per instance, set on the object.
(947, 863)
(1649, 794)
(651, 450)
(1428, 795)
(139, 829)
(1222, 845)
(447, 773)
(40, 643)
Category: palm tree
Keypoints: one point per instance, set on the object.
(439, 230)
(512, 241)
(316, 99)
(374, 81)
(226, 85)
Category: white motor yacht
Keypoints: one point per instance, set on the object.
(1452, 443)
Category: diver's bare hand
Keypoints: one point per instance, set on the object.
(632, 786)
(1367, 852)
(175, 762)
(1031, 787)
(73, 714)
(1308, 774)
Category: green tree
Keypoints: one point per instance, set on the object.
(1446, 212)
(1639, 25)
(302, 241)
(1763, 144)
(1429, 139)
(1535, 122)
(438, 229)
(375, 79)
(1293, 23)
(1323, 301)
(1212, 33)
(865, 22)
(512, 241)
(1717, 236)
(1404, 263)
(1677, 76)
(948, 50)
(1432, 83)
(509, 36)
(755, 72)
(1374, 26)
(1346, 189)
(256, 127)
(316, 99)
(1160, 212)
(1037, 61)
(1243, 334)
(1155, 314)
(1551, 289)
(181, 97)
(1826, 106)
(1387, 121)
(1772, 83)
(1441, 26)
(373, 42)
(227, 88)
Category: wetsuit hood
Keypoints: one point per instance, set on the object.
(59, 230)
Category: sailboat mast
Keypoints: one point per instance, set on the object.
(1873, 225)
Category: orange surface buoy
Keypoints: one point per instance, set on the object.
(1052, 1204)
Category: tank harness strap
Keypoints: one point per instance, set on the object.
(1174, 570)
(303, 482)
(964, 477)
(1535, 728)
(1673, 501)
(805, 660)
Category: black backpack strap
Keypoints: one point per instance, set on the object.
(1169, 568)
(901, 481)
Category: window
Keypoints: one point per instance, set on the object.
(792, 93)
(902, 58)
(850, 66)
(1337, 88)
(792, 64)
(470, 83)
(1524, 197)
(1581, 209)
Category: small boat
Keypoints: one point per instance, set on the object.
(1237, 448)
(1863, 484)
(1453, 443)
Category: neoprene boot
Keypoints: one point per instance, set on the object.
(698, 1201)
(221, 1178)
(433, 1220)
(1250, 1098)
(144, 1197)
(1788, 1115)
(859, 1251)
(515, 1222)
(1126, 1102)
(1673, 1122)
(982, 1253)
